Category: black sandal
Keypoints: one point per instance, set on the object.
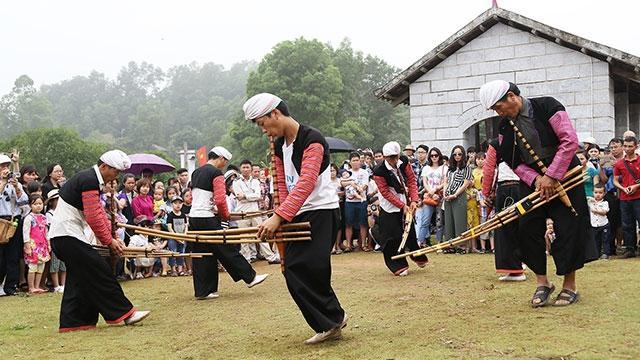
(542, 293)
(567, 295)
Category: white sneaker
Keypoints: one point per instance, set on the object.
(509, 277)
(213, 295)
(2, 291)
(333, 334)
(136, 317)
(58, 289)
(344, 321)
(404, 272)
(139, 276)
(257, 280)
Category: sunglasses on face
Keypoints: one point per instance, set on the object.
(457, 154)
(435, 155)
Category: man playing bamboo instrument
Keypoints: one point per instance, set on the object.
(91, 287)
(303, 178)
(545, 126)
(209, 194)
(396, 181)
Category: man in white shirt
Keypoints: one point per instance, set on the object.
(248, 193)
(355, 207)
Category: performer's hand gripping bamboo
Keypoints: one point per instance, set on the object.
(546, 185)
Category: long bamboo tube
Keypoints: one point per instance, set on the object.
(563, 195)
(244, 237)
(285, 227)
(495, 223)
(276, 196)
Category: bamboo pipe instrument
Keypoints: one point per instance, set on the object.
(249, 214)
(276, 197)
(563, 195)
(283, 228)
(223, 238)
(408, 219)
(513, 212)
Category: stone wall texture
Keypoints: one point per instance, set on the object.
(445, 104)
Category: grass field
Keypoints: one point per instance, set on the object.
(453, 308)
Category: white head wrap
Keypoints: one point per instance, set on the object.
(260, 105)
(493, 91)
(220, 151)
(391, 148)
(116, 159)
(590, 140)
(4, 159)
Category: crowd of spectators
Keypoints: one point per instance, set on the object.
(450, 189)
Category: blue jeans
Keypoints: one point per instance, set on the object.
(630, 210)
(175, 246)
(423, 218)
(429, 213)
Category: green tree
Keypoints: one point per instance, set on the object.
(24, 108)
(303, 73)
(41, 147)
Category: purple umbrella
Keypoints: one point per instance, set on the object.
(152, 162)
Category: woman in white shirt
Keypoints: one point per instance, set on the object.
(433, 179)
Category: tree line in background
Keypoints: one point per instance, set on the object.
(148, 109)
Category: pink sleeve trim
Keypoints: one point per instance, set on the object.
(220, 197)
(309, 172)
(563, 128)
(488, 171)
(526, 174)
(96, 216)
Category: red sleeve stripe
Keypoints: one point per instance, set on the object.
(220, 197)
(488, 171)
(309, 172)
(282, 185)
(386, 193)
(96, 216)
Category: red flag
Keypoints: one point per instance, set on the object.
(201, 155)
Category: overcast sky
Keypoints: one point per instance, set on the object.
(55, 40)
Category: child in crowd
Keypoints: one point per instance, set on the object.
(350, 190)
(599, 208)
(177, 223)
(482, 208)
(144, 266)
(36, 244)
(187, 198)
(57, 268)
(158, 203)
(160, 244)
(594, 157)
(169, 194)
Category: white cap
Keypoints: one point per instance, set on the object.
(492, 91)
(391, 148)
(260, 105)
(4, 159)
(116, 159)
(590, 140)
(220, 151)
(229, 174)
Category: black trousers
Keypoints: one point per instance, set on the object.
(506, 245)
(205, 269)
(307, 271)
(392, 227)
(90, 289)
(572, 247)
(10, 254)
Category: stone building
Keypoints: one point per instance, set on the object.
(599, 85)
